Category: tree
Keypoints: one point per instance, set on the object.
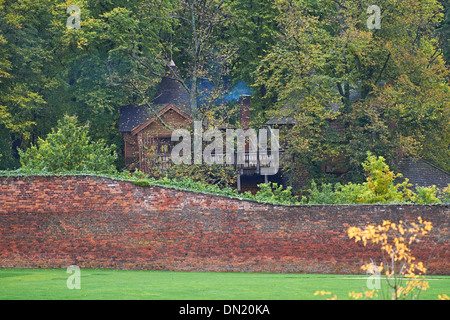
(68, 148)
(253, 30)
(25, 64)
(403, 274)
(444, 32)
(402, 119)
(192, 38)
(100, 53)
(306, 58)
(47, 70)
(296, 73)
(404, 277)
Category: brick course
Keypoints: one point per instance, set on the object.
(96, 222)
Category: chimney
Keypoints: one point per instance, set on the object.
(245, 111)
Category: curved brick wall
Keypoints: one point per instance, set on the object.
(54, 221)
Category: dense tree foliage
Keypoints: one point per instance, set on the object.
(69, 148)
(349, 88)
(444, 31)
(386, 89)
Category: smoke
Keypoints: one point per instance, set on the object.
(237, 91)
(230, 95)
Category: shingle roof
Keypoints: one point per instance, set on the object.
(424, 174)
(170, 91)
(132, 116)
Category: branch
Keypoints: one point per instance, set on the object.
(166, 18)
(433, 57)
(230, 55)
(156, 73)
(137, 91)
(384, 68)
(340, 4)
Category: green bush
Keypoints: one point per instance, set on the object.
(274, 193)
(326, 194)
(268, 193)
(379, 187)
(445, 194)
(426, 195)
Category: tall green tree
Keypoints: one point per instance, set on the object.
(385, 88)
(25, 68)
(48, 70)
(100, 74)
(194, 40)
(253, 31)
(444, 31)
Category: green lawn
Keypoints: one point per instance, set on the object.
(161, 285)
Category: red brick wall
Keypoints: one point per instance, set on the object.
(52, 222)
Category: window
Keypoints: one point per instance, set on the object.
(164, 145)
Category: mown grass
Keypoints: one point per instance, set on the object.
(51, 284)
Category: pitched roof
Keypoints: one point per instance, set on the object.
(132, 116)
(160, 113)
(170, 91)
(424, 174)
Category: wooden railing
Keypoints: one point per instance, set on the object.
(246, 160)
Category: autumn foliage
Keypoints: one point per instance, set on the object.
(403, 275)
